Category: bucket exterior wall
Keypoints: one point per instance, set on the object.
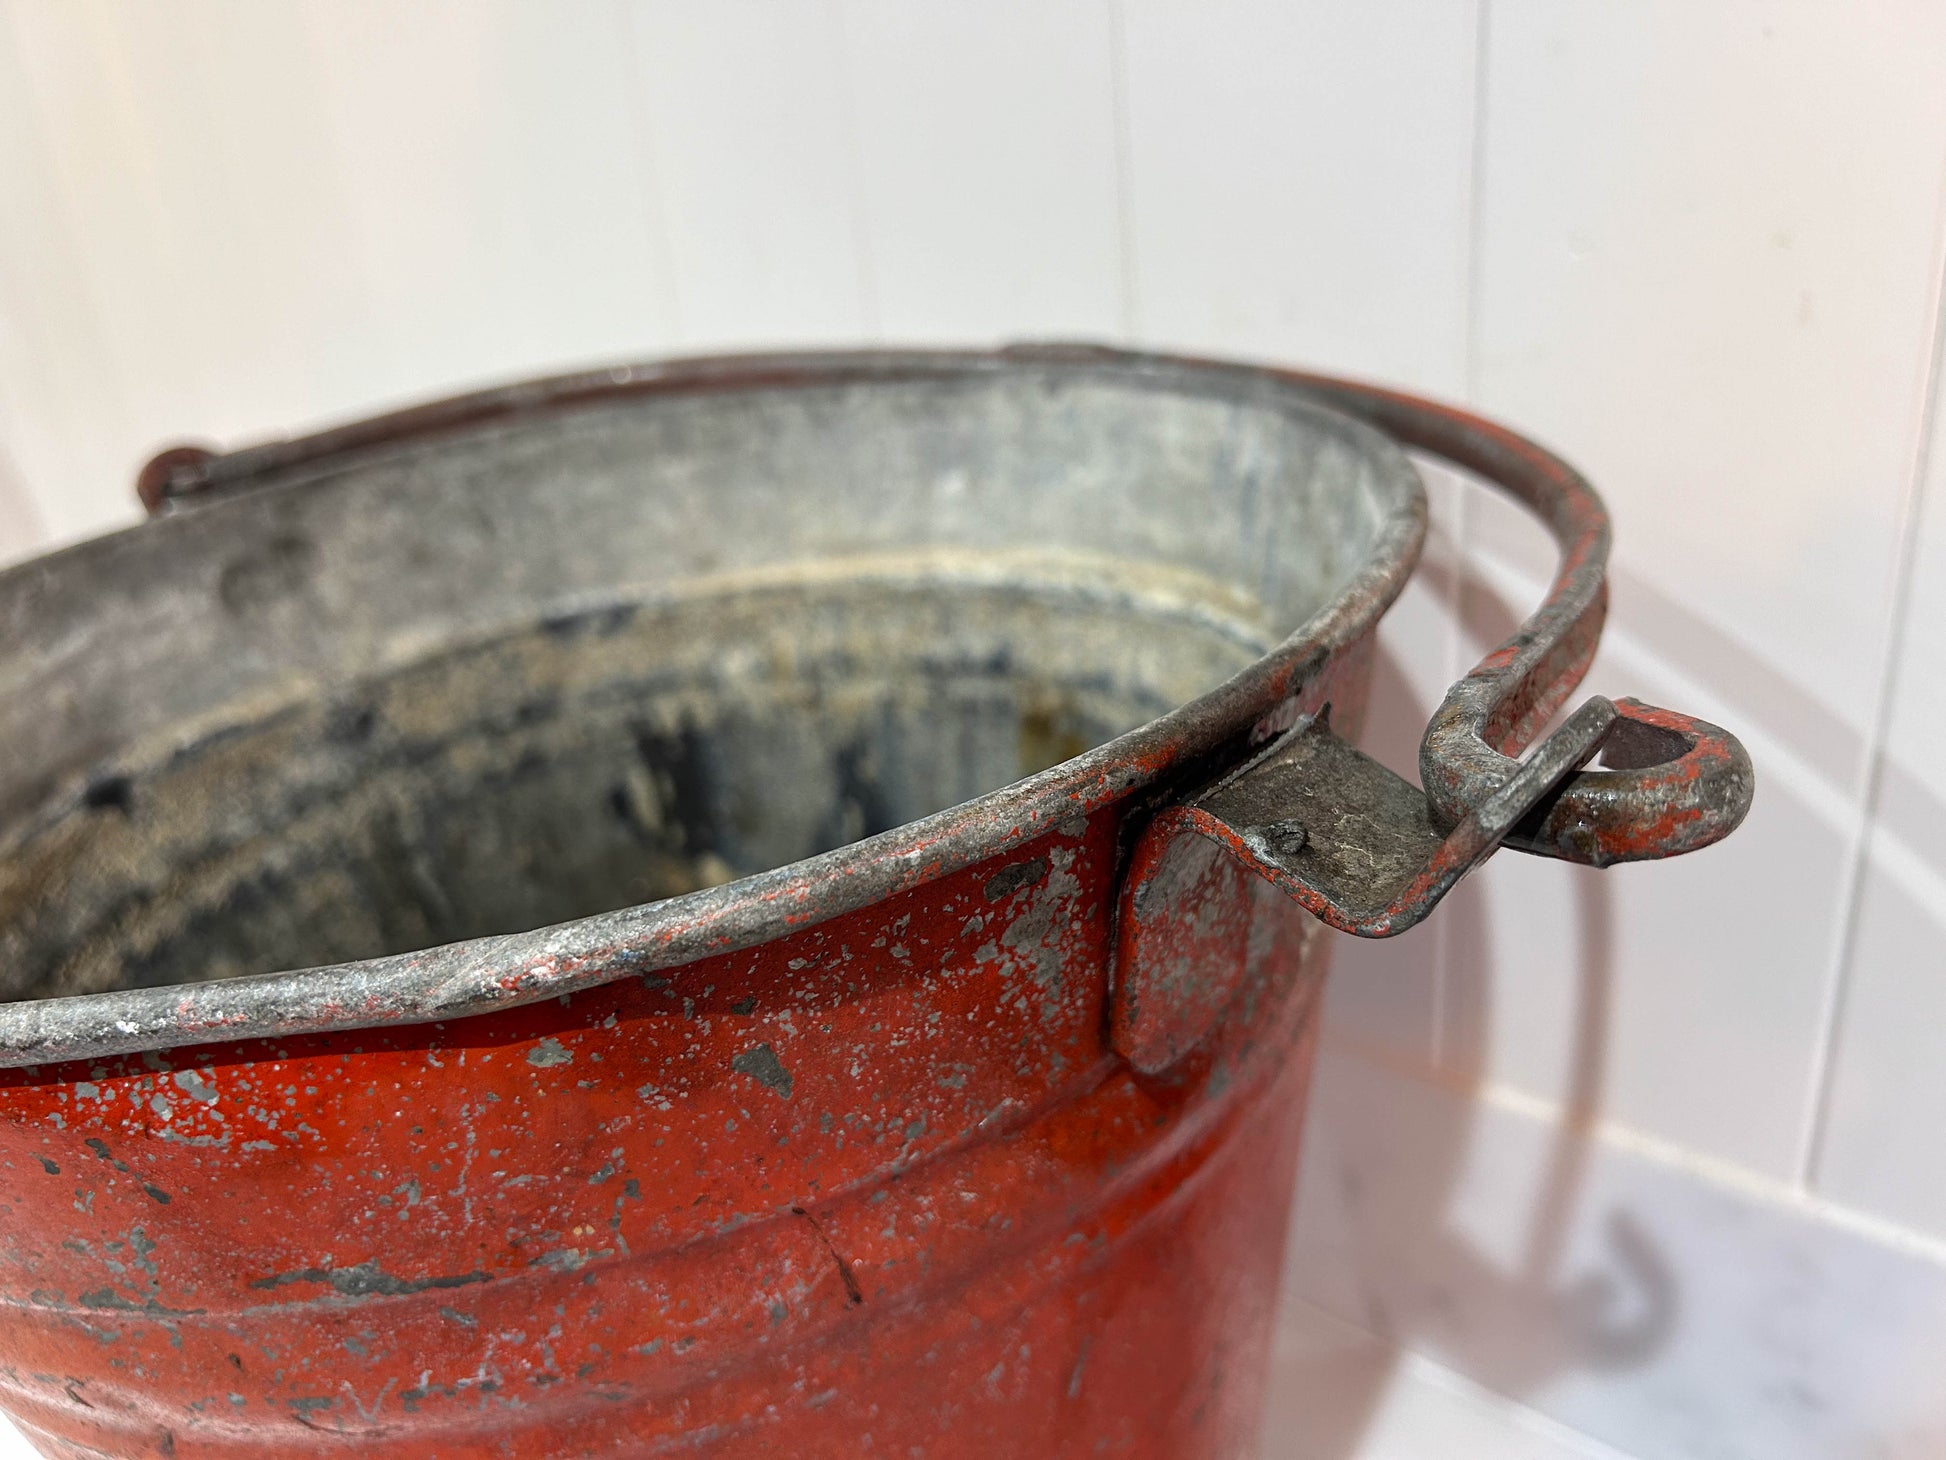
(878, 1186)
(970, 1136)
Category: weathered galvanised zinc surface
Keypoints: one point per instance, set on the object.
(928, 777)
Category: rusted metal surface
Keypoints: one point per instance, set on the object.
(1370, 853)
(819, 1198)
(170, 471)
(1673, 784)
(253, 532)
(916, 771)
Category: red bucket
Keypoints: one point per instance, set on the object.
(805, 874)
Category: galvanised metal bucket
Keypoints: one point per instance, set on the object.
(802, 871)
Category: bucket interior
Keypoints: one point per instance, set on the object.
(598, 657)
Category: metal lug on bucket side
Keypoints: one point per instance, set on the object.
(1352, 842)
(1369, 852)
(1183, 946)
(1372, 861)
(1362, 849)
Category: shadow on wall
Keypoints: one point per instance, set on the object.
(1389, 1172)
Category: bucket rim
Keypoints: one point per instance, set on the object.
(485, 975)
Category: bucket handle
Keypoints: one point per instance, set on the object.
(1673, 783)
(1370, 853)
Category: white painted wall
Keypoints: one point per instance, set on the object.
(1650, 1154)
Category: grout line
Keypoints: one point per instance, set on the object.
(1838, 980)
(1471, 370)
(1124, 166)
(1470, 385)
(869, 311)
(1728, 1176)
(1517, 1415)
(1776, 1192)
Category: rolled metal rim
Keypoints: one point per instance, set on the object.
(483, 975)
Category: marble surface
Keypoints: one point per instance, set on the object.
(1670, 1309)
(1337, 1393)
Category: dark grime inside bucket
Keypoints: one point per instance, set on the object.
(597, 655)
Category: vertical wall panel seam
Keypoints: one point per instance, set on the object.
(1839, 978)
(1118, 79)
(1471, 283)
(1472, 348)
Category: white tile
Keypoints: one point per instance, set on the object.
(195, 274)
(287, 324)
(985, 138)
(1684, 998)
(1710, 243)
(68, 429)
(239, 224)
(1299, 181)
(746, 116)
(1656, 1304)
(1882, 1148)
(126, 176)
(1916, 787)
(1709, 239)
(497, 184)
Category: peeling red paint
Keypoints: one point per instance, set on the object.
(601, 1226)
(952, 1143)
